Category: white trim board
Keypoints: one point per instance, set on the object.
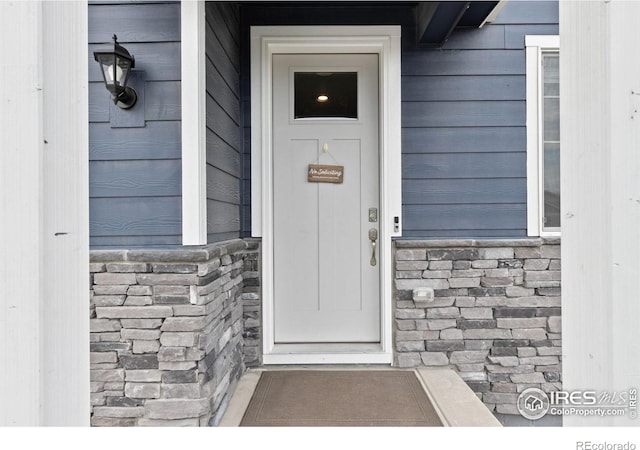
(381, 40)
(194, 127)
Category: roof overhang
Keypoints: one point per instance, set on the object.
(437, 20)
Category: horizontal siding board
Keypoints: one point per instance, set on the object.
(135, 216)
(160, 61)
(222, 217)
(465, 217)
(438, 234)
(134, 23)
(514, 34)
(465, 87)
(464, 191)
(229, 15)
(222, 155)
(527, 12)
(136, 178)
(464, 165)
(464, 62)
(220, 58)
(222, 186)
(157, 140)
(222, 93)
(222, 125)
(217, 24)
(107, 242)
(463, 114)
(99, 99)
(488, 37)
(162, 100)
(465, 140)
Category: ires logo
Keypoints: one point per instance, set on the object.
(533, 403)
(585, 398)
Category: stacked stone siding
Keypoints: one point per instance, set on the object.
(494, 317)
(252, 303)
(167, 326)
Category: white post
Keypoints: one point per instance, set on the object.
(44, 288)
(600, 129)
(194, 127)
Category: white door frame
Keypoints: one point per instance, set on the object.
(381, 40)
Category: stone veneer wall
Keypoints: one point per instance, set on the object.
(252, 306)
(495, 316)
(168, 336)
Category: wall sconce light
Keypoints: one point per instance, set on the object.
(116, 65)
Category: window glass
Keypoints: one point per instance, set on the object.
(326, 95)
(552, 185)
(551, 141)
(551, 74)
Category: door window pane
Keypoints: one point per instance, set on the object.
(326, 95)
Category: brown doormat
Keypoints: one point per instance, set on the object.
(339, 398)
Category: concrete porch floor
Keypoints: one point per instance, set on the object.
(455, 403)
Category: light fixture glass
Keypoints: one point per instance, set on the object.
(108, 73)
(116, 65)
(322, 98)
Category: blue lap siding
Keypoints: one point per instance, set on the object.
(135, 173)
(463, 123)
(463, 115)
(464, 135)
(224, 143)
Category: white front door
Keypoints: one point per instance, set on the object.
(326, 266)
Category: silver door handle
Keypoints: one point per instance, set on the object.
(373, 237)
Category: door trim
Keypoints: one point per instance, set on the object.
(381, 40)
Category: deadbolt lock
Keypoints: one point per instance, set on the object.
(373, 214)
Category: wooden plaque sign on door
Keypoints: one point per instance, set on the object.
(325, 174)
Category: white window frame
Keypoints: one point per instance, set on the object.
(535, 47)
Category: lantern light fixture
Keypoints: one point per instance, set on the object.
(115, 65)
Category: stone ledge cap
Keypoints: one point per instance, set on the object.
(195, 254)
(458, 243)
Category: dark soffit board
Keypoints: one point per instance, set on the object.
(437, 20)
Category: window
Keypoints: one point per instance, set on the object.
(543, 135)
(326, 95)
